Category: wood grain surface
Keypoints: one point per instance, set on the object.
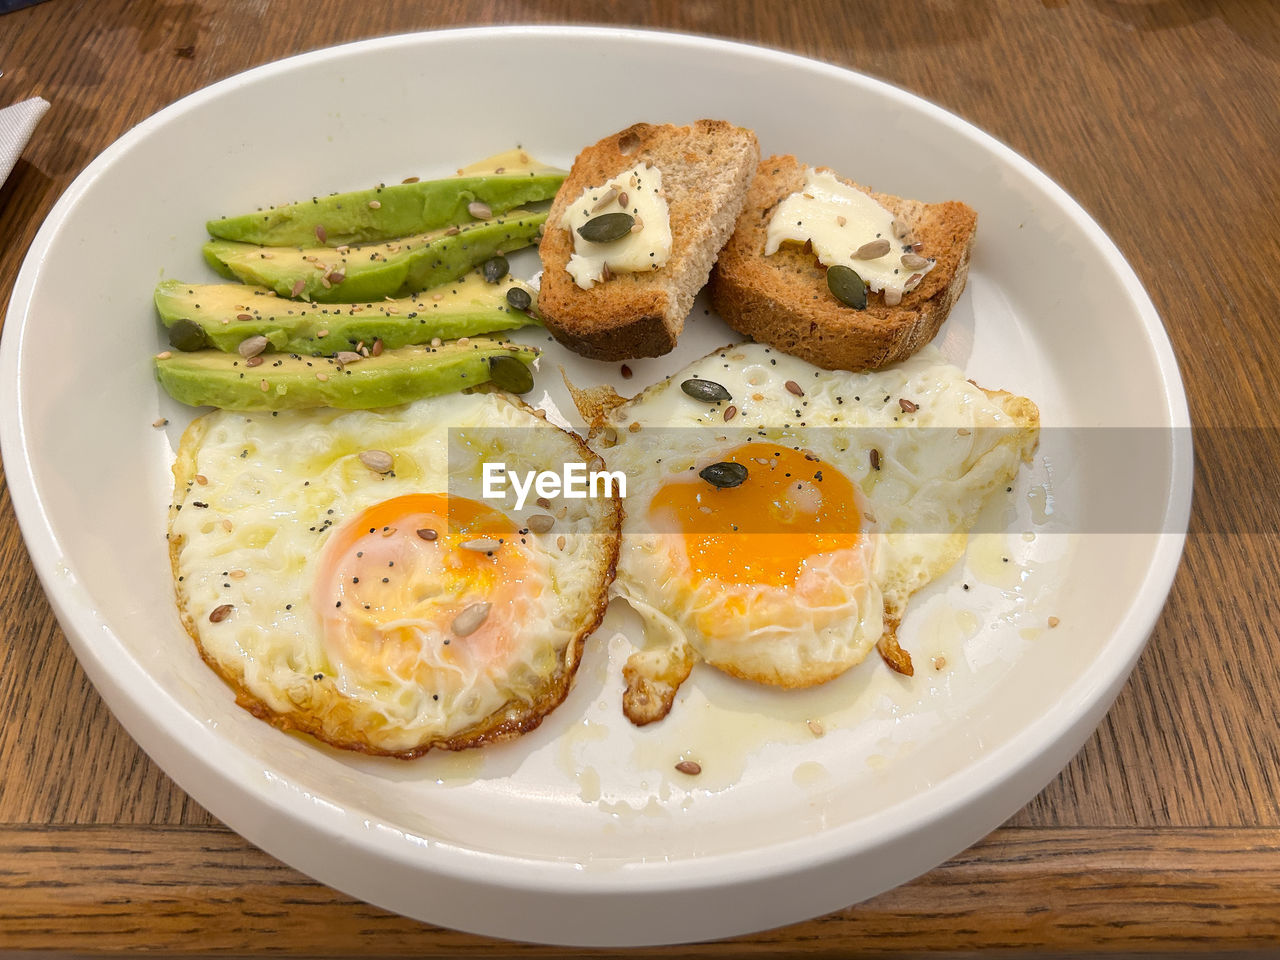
(1162, 117)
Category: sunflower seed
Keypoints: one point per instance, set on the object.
(540, 523)
(691, 767)
(794, 388)
(913, 261)
(872, 250)
(481, 211)
(907, 405)
(426, 533)
(481, 545)
(470, 619)
(606, 198)
(348, 356)
(379, 461)
(220, 613)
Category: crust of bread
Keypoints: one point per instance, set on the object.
(706, 168)
(783, 300)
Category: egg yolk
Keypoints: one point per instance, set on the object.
(791, 507)
(411, 571)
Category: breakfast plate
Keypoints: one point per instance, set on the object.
(582, 831)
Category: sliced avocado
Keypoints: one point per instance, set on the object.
(384, 213)
(225, 314)
(374, 271)
(290, 381)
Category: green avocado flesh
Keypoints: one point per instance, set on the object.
(214, 378)
(372, 272)
(401, 209)
(229, 313)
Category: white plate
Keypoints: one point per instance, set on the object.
(580, 832)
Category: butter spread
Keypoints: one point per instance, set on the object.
(508, 162)
(638, 193)
(846, 226)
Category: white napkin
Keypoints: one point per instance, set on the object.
(16, 124)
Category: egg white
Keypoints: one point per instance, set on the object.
(258, 496)
(938, 457)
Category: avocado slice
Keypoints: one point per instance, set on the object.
(374, 271)
(290, 381)
(386, 212)
(225, 314)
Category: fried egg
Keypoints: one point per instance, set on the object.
(340, 570)
(779, 516)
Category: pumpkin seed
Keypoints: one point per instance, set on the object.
(724, 474)
(607, 227)
(470, 619)
(495, 268)
(510, 374)
(519, 298)
(187, 335)
(847, 287)
(708, 391)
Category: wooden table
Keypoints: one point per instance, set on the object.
(1162, 117)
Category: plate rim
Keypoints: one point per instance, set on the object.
(121, 681)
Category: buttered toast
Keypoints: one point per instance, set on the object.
(783, 298)
(705, 169)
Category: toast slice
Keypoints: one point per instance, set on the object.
(783, 299)
(706, 168)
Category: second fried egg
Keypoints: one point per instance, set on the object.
(779, 520)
